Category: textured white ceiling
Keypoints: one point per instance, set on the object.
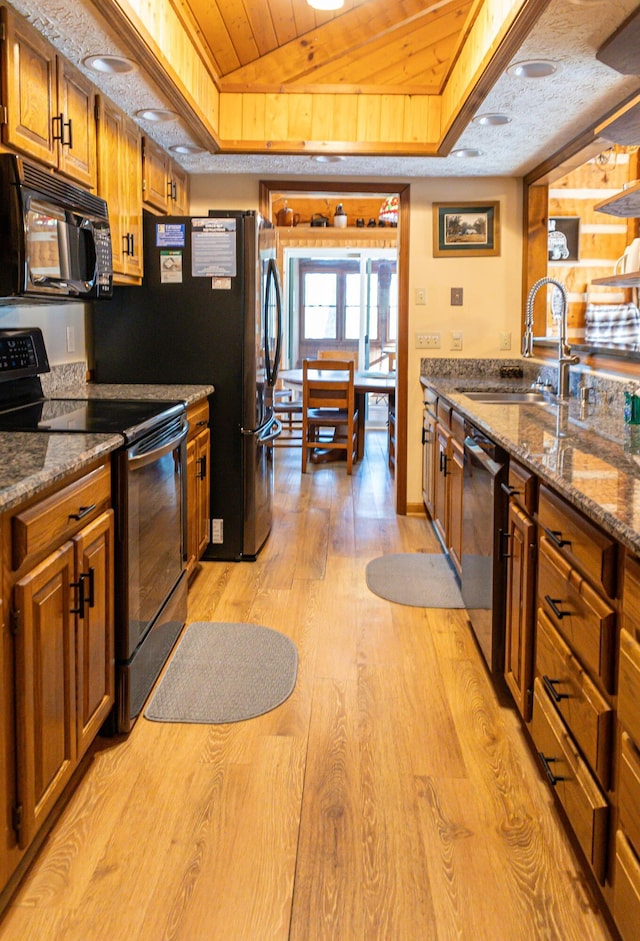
(545, 112)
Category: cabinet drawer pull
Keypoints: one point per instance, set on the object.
(82, 512)
(553, 604)
(555, 535)
(546, 763)
(202, 463)
(510, 491)
(551, 689)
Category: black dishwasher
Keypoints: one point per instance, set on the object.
(484, 530)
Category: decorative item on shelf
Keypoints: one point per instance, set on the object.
(630, 260)
(317, 219)
(389, 211)
(371, 224)
(360, 223)
(340, 217)
(287, 216)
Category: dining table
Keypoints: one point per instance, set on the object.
(365, 382)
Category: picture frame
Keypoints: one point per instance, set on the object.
(563, 240)
(466, 229)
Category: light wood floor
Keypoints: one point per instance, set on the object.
(391, 798)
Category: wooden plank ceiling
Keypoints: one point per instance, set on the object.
(373, 46)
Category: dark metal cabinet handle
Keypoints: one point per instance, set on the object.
(443, 463)
(81, 598)
(546, 763)
(510, 491)
(82, 512)
(555, 535)
(202, 463)
(503, 544)
(553, 604)
(59, 120)
(550, 686)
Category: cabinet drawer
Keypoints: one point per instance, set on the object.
(52, 520)
(584, 803)
(585, 711)
(443, 411)
(629, 685)
(523, 487)
(579, 540)
(631, 596)
(584, 619)
(629, 792)
(626, 890)
(198, 418)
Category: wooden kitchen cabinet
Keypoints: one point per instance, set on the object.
(49, 106)
(520, 589)
(120, 184)
(448, 485)
(165, 185)
(198, 480)
(60, 688)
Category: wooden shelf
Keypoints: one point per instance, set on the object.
(629, 280)
(625, 204)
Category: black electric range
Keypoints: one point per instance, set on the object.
(23, 406)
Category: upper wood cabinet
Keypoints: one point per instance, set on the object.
(165, 185)
(48, 106)
(120, 184)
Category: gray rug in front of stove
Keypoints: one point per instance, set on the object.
(419, 579)
(225, 672)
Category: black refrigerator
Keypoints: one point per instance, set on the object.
(208, 312)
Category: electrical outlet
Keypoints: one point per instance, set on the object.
(427, 341)
(421, 296)
(456, 340)
(456, 297)
(505, 340)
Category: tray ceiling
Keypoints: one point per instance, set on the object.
(368, 44)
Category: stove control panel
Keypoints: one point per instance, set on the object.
(22, 353)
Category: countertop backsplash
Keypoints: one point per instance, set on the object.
(64, 376)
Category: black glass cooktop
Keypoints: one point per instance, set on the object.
(98, 416)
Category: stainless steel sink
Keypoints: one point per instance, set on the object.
(510, 398)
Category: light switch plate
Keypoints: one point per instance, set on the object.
(456, 297)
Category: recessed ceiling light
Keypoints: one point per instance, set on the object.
(326, 4)
(186, 149)
(533, 68)
(327, 158)
(466, 152)
(156, 114)
(491, 120)
(110, 65)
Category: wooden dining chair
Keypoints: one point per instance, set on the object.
(287, 406)
(329, 414)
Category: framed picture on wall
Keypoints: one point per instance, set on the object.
(563, 241)
(466, 229)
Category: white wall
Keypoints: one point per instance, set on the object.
(491, 286)
(53, 319)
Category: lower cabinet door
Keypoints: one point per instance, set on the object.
(95, 639)
(584, 803)
(45, 689)
(626, 890)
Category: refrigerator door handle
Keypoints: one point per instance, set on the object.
(272, 285)
(267, 431)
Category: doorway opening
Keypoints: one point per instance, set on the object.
(310, 226)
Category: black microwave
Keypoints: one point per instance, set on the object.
(55, 240)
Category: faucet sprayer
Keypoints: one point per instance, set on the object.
(565, 357)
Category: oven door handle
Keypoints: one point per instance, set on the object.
(135, 461)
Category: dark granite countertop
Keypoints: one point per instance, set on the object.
(31, 462)
(587, 453)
